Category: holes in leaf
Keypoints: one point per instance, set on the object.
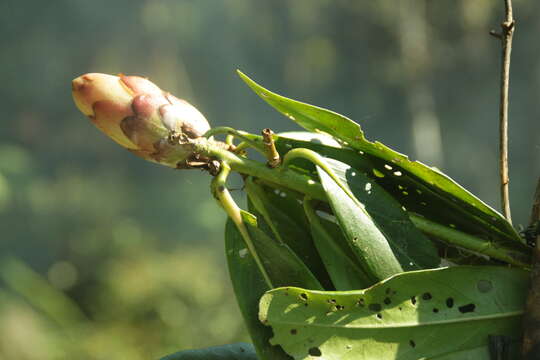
(375, 307)
(340, 307)
(379, 316)
(427, 296)
(413, 300)
(294, 331)
(388, 167)
(397, 173)
(484, 286)
(467, 308)
(387, 301)
(243, 252)
(368, 187)
(315, 351)
(412, 343)
(405, 193)
(303, 296)
(377, 173)
(450, 302)
(331, 301)
(361, 302)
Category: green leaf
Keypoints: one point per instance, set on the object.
(409, 316)
(367, 242)
(412, 248)
(422, 189)
(249, 286)
(344, 269)
(283, 266)
(238, 351)
(281, 217)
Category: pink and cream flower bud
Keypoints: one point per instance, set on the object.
(136, 113)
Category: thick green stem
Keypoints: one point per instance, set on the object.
(233, 211)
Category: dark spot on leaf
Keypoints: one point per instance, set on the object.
(375, 307)
(435, 310)
(315, 351)
(467, 308)
(379, 316)
(484, 286)
(387, 301)
(399, 308)
(331, 301)
(294, 331)
(242, 349)
(303, 296)
(427, 296)
(413, 300)
(221, 188)
(450, 302)
(340, 307)
(412, 343)
(306, 304)
(360, 302)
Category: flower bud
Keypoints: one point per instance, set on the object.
(136, 113)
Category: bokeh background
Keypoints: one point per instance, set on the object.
(105, 256)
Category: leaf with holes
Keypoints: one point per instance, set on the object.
(280, 218)
(238, 351)
(366, 240)
(420, 188)
(412, 248)
(249, 286)
(408, 316)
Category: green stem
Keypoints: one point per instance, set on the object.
(238, 134)
(458, 238)
(318, 160)
(233, 211)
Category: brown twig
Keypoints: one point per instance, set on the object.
(271, 153)
(531, 321)
(508, 28)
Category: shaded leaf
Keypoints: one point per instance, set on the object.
(238, 351)
(279, 218)
(408, 316)
(463, 209)
(367, 242)
(283, 266)
(344, 269)
(249, 286)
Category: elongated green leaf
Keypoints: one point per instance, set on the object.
(238, 351)
(283, 266)
(249, 286)
(422, 314)
(344, 269)
(412, 248)
(408, 178)
(444, 215)
(276, 217)
(367, 242)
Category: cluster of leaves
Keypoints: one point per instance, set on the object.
(387, 225)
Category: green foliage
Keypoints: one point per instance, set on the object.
(408, 316)
(249, 285)
(420, 188)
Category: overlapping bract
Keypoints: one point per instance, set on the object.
(136, 113)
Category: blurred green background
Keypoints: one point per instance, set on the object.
(105, 256)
